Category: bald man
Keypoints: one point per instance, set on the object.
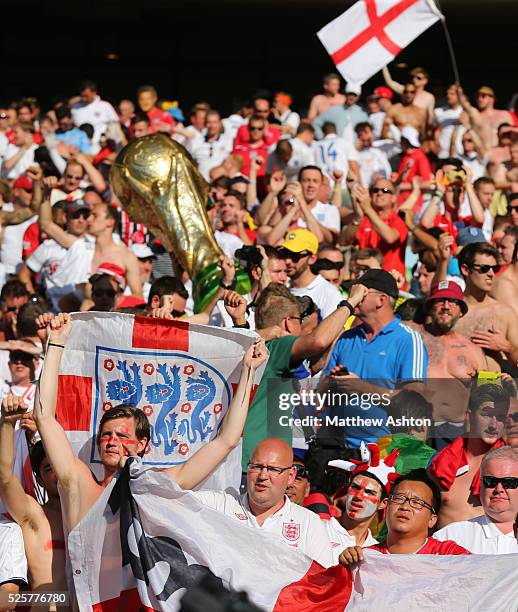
(266, 506)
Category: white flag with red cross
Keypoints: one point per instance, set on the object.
(182, 376)
(371, 33)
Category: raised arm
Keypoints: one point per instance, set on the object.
(47, 225)
(22, 507)
(201, 465)
(57, 446)
(96, 178)
(394, 85)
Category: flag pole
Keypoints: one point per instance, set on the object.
(435, 8)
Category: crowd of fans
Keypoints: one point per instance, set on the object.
(379, 231)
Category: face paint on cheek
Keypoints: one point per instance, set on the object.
(369, 507)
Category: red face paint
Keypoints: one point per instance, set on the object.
(359, 503)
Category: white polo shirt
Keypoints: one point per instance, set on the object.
(13, 564)
(326, 214)
(337, 532)
(480, 536)
(292, 524)
(325, 295)
(228, 243)
(98, 113)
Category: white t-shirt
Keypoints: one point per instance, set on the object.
(13, 564)
(12, 245)
(98, 113)
(290, 118)
(326, 214)
(334, 153)
(480, 536)
(232, 123)
(76, 265)
(373, 162)
(294, 525)
(45, 261)
(26, 393)
(475, 163)
(446, 119)
(4, 143)
(302, 155)
(376, 120)
(228, 243)
(25, 161)
(346, 539)
(325, 295)
(208, 155)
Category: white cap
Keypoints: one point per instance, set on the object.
(141, 251)
(353, 88)
(412, 135)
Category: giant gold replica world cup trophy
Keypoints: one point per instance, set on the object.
(158, 184)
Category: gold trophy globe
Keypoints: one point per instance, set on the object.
(158, 183)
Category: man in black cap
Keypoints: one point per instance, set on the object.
(383, 352)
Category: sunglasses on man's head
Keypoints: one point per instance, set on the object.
(508, 482)
(301, 471)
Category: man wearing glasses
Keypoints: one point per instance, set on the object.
(255, 147)
(265, 505)
(489, 323)
(412, 510)
(491, 533)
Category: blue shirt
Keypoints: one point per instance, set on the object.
(396, 354)
(75, 138)
(340, 115)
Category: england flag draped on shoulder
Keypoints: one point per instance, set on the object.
(145, 541)
(181, 375)
(371, 33)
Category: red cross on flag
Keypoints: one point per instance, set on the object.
(372, 32)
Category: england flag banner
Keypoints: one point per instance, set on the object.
(146, 541)
(371, 33)
(182, 376)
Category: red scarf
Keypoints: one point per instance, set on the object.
(451, 459)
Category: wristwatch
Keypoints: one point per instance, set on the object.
(346, 304)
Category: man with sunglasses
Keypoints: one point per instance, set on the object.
(413, 506)
(255, 147)
(299, 489)
(489, 323)
(491, 533)
(376, 224)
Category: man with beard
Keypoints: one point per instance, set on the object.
(452, 359)
(457, 466)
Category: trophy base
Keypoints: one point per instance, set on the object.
(206, 284)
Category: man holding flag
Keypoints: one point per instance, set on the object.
(123, 432)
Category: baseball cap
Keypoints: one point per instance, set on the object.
(489, 91)
(450, 290)
(73, 206)
(410, 134)
(353, 88)
(142, 251)
(111, 269)
(23, 182)
(381, 280)
(383, 92)
(470, 235)
(300, 240)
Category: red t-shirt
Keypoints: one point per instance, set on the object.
(430, 547)
(271, 135)
(31, 240)
(393, 254)
(413, 164)
(157, 116)
(246, 150)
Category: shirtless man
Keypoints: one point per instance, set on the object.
(419, 77)
(505, 174)
(101, 225)
(456, 467)
(405, 113)
(486, 119)
(452, 359)
(331, 97)
(489, 323)
(124, 431)
(505, 288)
(41, 525)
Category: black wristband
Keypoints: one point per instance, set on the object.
(230, 287)
(54, 344)
(347, 304)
